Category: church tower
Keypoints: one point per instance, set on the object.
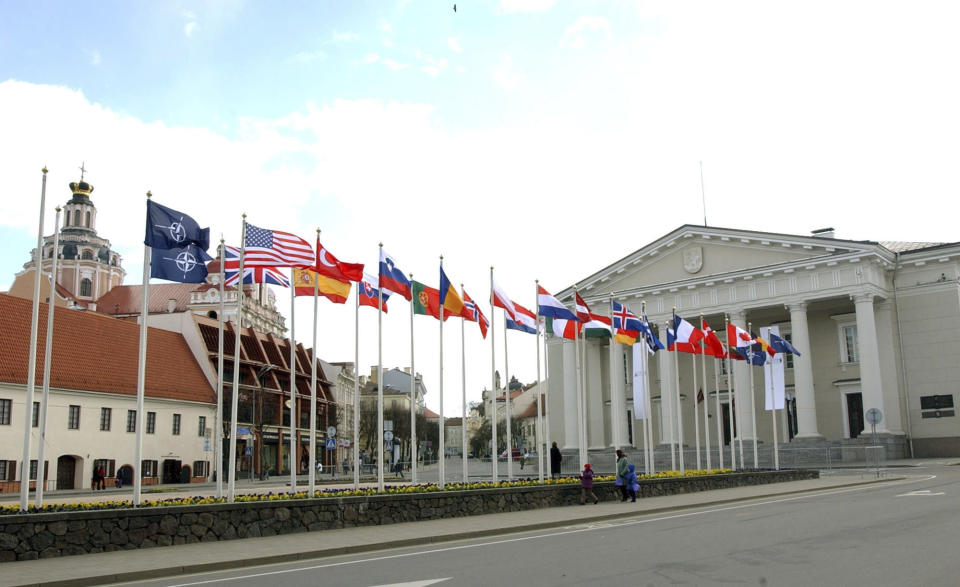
(87, 268)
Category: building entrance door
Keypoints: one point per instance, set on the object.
(725, 408)
(66, 472)
(855, 414)
(171, 471)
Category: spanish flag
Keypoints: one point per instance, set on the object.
(449, 298)
(333, 290)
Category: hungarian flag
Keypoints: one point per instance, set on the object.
(563, 328)
(332, 289)
(426, 301)
(328, 265)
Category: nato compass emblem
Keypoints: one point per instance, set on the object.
(177, 232)
(185, 261)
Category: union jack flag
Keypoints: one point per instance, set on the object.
(231, 269)
(471, 312)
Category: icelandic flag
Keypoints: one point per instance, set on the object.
(369, 294)
(624, 319)
(185, 264)
(547, 305)
(526, 320)
(170, 229)
(683, 336)
(500, 299)
(231, 271)
(781, 345)
(392, 278)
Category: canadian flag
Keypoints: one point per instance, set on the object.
(738, 337)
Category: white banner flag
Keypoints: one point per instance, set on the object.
(773, 372)
(639, 380)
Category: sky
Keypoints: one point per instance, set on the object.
(545, 138)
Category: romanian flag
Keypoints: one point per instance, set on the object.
(765, 346)
(449, 298)
(333, 290)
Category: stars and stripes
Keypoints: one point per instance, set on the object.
(274, 248)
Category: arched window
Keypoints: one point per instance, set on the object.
(86, 287)
(87, 255)
(76, 218)
(88, 219)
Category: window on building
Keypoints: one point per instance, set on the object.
(36, 414)
(8, 470)
(87, 255)
(105, 415)
(151, 422)
(176, 424)
(788, 360)
(76, 218)
(88, 219)
(148, 468)
(849, 353)
(73, 418)
(131, 420)
(86, 287)
(201, 468)
(109, 466)
(6, 405)
(202, 426)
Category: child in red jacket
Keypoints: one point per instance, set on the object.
(586, 485)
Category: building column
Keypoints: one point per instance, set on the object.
(803, 375)
(871, 381)
(594, 394)
(668, 415)
(741, 388)
(618, 408)
(570, 434)
(893, 415)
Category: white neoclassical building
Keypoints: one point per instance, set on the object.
(877, 323)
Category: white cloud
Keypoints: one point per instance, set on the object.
(512, 6)
(191, 25)
(346, 37)
(370, 58)
(395, 65)
(94, 56)
(386, 42)
(573, 36)
(454, 44)
(507, 75)
(309, 56)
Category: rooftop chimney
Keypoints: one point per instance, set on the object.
(823, 233)
(171, 305)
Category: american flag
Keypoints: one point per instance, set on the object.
(273, 248)
(231, 271)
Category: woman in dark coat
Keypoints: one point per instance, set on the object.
(555, 459)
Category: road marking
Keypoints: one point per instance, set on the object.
(423, 583)
(920, 493)
(577, 530)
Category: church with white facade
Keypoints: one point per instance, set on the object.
(877, 324)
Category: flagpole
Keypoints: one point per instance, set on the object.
(676, 376)
(356, 389)
(753, 403)
(506, 401)
(542, 449)
(379, 441)
(706, 401)
(648, 405)
(696, 419)
(736, 438)
(463, 393)
(413, 403)
(48, 351)
(717, 408)
(293, 392)
(493, 385)
(311, 479)
(32, 364)
(218, 429)
(443, 420)
(641, 398)
(231, 487)
(141, 376)
(580, 410)
(773, 413)
(614, 408)
(539, 434)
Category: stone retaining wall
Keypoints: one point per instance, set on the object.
(32, 536)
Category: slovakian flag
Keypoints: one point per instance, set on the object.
(526, 320)
(275, 248)
(332, 289)
(547, 305)
(169, 229)
(449, 298)
(683, 336)
(471, 312)
(500, 299)
(392, 278)
(368, 293)
(738, 337)
(330, 266)
(712, 345)
(781, 345)
(231, 271)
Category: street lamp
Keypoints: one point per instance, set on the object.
(258, 394)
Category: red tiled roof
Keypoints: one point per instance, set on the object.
(430, 414)
(92, 352)
(126, 299)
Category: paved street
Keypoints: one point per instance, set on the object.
(894, 533)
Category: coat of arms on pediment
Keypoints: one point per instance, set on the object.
(693, 259)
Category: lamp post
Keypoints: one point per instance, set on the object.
(258, 395)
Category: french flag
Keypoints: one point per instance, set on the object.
(392, 278)
(683, 336)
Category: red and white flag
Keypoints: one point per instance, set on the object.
(274, 248)
(712, 345)
(330, 266)
(738, 337)
(502, 300)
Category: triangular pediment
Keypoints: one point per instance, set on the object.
(696, 253)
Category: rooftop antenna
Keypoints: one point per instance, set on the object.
(703, 195)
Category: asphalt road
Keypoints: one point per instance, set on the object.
(896, 533)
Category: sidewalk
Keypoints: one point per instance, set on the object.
(143, 564)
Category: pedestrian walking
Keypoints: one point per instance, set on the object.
(555, 459)
(623, 467)
(632, 483)
(101, 475)
(586, 485)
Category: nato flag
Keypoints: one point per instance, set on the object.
(169, 229)
(183, 264)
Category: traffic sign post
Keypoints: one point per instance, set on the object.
(874, 416)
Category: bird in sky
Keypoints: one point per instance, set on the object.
(454, 7)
